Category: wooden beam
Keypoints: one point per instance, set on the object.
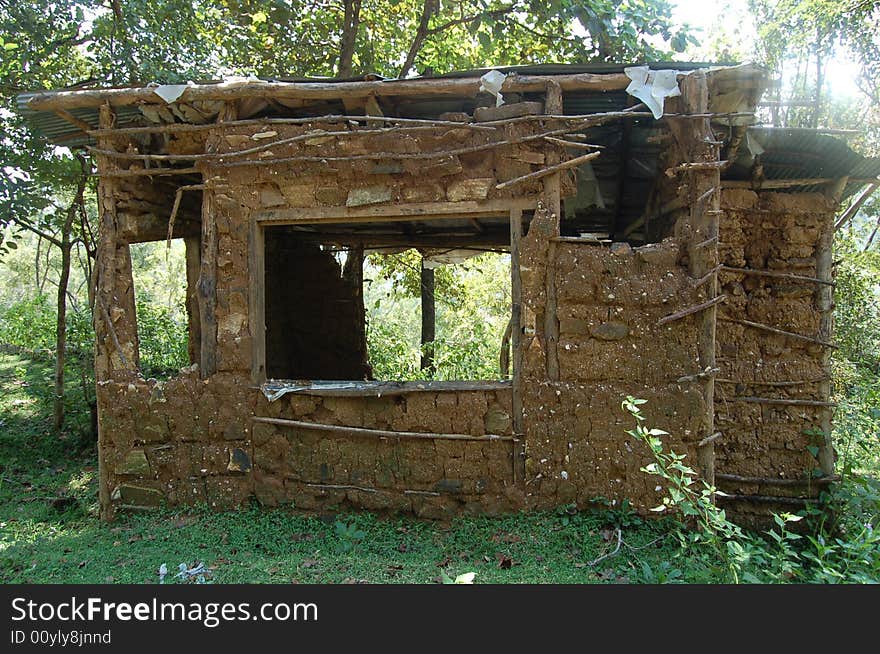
(395, 212)
(553, 199)
(516, 339)
(820, 481)
(208, 271)
(230, 91)
(193, 266)
(257, 300)
(702, 167)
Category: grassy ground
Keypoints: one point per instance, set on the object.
(49, 531)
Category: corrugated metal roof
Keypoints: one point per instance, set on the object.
(803, 154)
(59, 131)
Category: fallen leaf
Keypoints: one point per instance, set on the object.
(504, 561)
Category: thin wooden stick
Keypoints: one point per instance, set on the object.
(705, 278)
(178, 196)
(776, 481)
(396, 155)
(698, 165)
(69, 117)
(572, 144)
(709, 440)
(774, 330)
(150, 172)
(767, 499)
(781, 400)
(691, 310)
(367, 489)
(380, 433)
(343, 487)
(708, 241)
(795, 382)
(773, 273)
(267, 145)
(709, 372)
(853, 209)
(538, 174)
(110, 328)
(331, 118)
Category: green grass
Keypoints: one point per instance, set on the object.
(50, 532)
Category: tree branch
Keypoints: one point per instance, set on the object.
(429, 8)
(350, 23)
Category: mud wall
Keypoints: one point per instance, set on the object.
(759, 369)
(325, 165)
(609, 301)
(190, 440)
(193, 439)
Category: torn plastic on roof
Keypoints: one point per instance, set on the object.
(491, 82)
(172, 92)
(652, 86)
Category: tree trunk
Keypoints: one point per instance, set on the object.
(350, 23)
(61, 324)
(428, 318)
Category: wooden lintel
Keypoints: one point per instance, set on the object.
(396, 212)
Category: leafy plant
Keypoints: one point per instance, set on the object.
(348, 536)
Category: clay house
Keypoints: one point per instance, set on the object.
(662, 245)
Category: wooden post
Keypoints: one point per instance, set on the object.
(104, 271)
(207, 288)
(429, 315)
(207, 285)
(193, 256)
(553, 200)
(516, 343)
(353, 273)
(703, 191)
(824, 303)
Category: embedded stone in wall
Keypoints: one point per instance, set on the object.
(330, 195)
(610, 331)
(239, 461)
(140, 496)
(470, 189)
(134, 463)
(358, 197)
(270, 196)
(423, 193)
(497, 420)
(442, 167)
(298, 195)
(153, 428)
(505, 111)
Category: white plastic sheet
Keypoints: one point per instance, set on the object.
(652, 86)
(491, 83)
